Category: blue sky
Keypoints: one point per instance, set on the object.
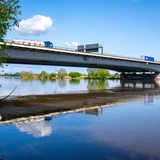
(123, 27)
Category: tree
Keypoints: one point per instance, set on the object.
(44, 75)
(116, 76)
(61, 73)
(9, 12)
(75, 74)
(26, 75)
(52, 76)
(94, 73)
(103, 74)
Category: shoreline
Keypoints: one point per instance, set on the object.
(39, 105)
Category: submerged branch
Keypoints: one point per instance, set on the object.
(8, 94)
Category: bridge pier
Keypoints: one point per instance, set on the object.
(139, 76)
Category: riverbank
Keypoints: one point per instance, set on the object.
(37, 105)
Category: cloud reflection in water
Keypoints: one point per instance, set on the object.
(36, 128)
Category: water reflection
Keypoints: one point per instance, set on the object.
(139, 84)
(100, 95)
(41, 126)
(117, 122)
(95, 111)
(149, 99)
(37, 128)
(96, 84)
(74, 81)
(37, 87)
(62, 83)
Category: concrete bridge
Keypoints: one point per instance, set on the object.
(23, 54)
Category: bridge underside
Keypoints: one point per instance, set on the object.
(122, 70)
(110, 67)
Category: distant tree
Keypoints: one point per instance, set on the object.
(94, 73)
(62, 73)
(103, 74)
(26, 75)
(52, 76)
(44, 75)
(75, 74)
(17, 74)
(116, 75)
(130, 72)
(9, 12)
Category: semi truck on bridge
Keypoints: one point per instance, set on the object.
(33, 43)
(147, 58)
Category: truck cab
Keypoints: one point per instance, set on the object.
(48, 44)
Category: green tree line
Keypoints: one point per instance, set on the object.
(62, 74)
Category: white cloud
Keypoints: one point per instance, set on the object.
(36, 25)
(71, 44)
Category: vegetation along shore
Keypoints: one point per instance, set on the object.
(92, 73)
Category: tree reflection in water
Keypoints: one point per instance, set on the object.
(61, 83)
(97, 84)
(74, 81)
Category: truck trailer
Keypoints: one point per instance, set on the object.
(147, 58)
(33, 43)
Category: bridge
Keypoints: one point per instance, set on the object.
(23, 54)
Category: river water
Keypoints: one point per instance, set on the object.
(116, 121)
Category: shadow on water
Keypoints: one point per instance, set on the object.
(36, 105)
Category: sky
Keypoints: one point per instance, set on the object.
(123, 27)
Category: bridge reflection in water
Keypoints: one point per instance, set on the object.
(139, 84)
(23, 108)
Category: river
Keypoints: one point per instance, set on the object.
(86, 119)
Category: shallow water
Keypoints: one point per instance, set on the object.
(128, 129)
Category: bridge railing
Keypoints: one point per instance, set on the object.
(124, 57)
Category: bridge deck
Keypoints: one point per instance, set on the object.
(23, 54)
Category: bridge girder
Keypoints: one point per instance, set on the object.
(19, 54)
